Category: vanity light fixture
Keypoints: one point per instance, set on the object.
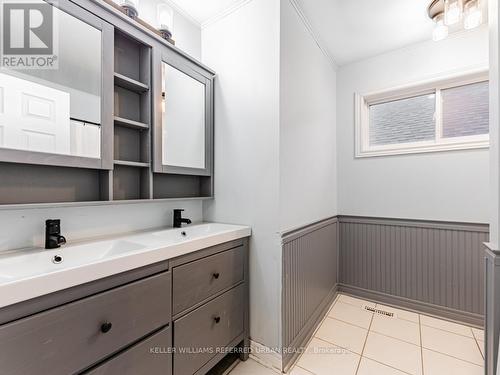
(446, 13)
(130, 7)
(165, 19)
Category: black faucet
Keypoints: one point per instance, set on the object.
(53, 238)
(178, 219)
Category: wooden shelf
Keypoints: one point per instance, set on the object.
(130, 84)
(132, 163)
(130, 123)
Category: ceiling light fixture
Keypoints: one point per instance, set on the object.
(473, 16)
(440, 31)
(450, 12)
(453, 10)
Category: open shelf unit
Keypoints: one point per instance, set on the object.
(132, 176)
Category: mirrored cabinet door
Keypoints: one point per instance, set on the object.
(58, 112)
(183, 131)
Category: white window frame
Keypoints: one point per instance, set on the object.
(432, 86)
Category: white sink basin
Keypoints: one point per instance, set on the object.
(24, 264)
(26, 274)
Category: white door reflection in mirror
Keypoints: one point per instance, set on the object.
(183, 123)
(35, 117)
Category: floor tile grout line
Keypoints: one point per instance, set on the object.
(306, 370)
(336, 345)
(406, 342)
(390, 366)
(421, 346)
(343, 321)
(452, 356)
(478, 345)
(446, 330)
(295, 364)
(364, 344)
(479, 348)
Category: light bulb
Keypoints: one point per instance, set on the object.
(452, 11)
(165, 17)
(440, 31)
(473, 15)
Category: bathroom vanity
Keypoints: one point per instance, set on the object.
(178, 306)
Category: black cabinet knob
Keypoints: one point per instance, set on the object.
(216, 275)
(106, 327)
(217, 319)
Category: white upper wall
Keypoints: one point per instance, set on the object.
(186, 33)
(243, 48)
(308, 171)
(433, 186)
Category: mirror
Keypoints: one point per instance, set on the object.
(56, 110)
(183, 119)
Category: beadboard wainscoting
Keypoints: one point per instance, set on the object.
(433, 267)
(310, 269)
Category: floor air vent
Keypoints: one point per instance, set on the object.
(378, 311)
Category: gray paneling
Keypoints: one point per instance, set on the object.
(439, 264)
(310, 262)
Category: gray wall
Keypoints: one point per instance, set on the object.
(308, 156)
(246, 147)
(431, 186)
(433, 263)
(310, 262)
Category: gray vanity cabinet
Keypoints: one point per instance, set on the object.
(151, 356)
(67, 339)
(124, 325)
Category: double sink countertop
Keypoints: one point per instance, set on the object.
(30, 273)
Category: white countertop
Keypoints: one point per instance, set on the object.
(30, 273)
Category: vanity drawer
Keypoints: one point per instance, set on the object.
(152, 356)
(211, 326)
(194, 282)
(70, 338)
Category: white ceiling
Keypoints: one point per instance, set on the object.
(352, 30)
(204, 10)
(349, 30)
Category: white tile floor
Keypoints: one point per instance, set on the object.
(353, 341)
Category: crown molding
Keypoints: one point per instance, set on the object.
(298, 9)
(226, 12)
(182, 12)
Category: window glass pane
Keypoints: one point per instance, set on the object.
(466, 110)
(403, 121)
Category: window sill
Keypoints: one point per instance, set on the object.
(422, 149)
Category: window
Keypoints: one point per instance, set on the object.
(448, 114)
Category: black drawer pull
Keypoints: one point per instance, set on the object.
(217, 319)
(216, 275)
(106, 327)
